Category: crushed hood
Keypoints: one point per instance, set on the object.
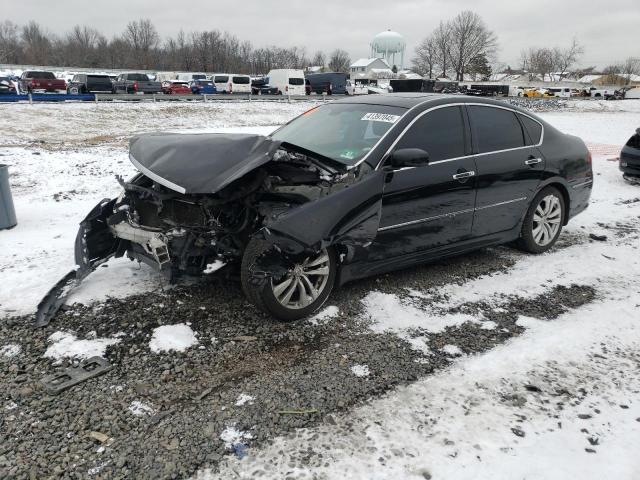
(200, 162)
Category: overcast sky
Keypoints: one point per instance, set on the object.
(609, 30)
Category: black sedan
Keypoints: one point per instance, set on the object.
(348, 189)
(630, 159)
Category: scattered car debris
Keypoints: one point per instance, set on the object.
(72, 376)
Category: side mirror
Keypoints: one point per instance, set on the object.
(408, 157)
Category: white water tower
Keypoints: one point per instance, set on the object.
(387, 45)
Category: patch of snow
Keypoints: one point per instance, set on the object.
(324, 315)
(452, 350)
(10, 350)
(360, 370)
(11, 406)
(419, 344)
(232, 436)
(177, 337)
(140, 409)
(66, 344)
(214, 267)
(244, 399)
(488, 325)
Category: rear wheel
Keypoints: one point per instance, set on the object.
(543, 223)
(302, 290)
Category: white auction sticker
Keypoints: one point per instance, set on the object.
(380, 117)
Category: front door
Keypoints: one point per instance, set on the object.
(509, 168)
(432, 205)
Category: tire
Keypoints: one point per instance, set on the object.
(260, 291)
(543, 222)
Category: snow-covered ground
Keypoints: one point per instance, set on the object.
(560, 401)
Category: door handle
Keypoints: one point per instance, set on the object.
(532, 161)
(462, 175)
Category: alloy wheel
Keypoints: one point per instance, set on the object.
(303, 283)
(547, 219)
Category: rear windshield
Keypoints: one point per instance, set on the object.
(198, 76)
(221, 79)
(140, 77)
(99, 78)
(201, 82)
(242, 80)
(47, 75)
(296, 81)
(186, 84)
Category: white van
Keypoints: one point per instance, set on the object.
(231, 83)
(287, 81)
(190, 77)
(560, 92)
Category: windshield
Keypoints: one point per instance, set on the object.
(344, 132)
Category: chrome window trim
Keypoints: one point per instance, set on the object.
(451, 214)
(473, 155)
(155, 177)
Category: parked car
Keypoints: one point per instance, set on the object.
(356, 88)
(203, 87)
(176, 87)
(630, 159)
(560, 92)
(34, 81)
(7, 86)
(260, 86)
(328, 82)
(89, 83)
(602, 93)
(349, 189)
(537, 93)
(136, 83)
(632, 92)
(287, 81)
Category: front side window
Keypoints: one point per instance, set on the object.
(440, 133)
(496, 129)
(344, 132)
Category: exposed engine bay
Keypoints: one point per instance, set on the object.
(182, 233)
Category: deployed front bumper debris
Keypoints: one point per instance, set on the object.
(95, 244)
(71, 376)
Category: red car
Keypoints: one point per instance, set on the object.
(175, 87)
(36, 81)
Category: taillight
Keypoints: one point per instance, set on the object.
(135, 86)
(589, 158)
(286, 88)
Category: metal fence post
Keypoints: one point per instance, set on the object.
(30, 99)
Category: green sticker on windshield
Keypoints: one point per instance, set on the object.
(380, 117)
(349, 154)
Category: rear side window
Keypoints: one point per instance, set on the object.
(296, 81)
(221, 79)
(242, 80)
(532, 128)
(440, 133)
(496, 128)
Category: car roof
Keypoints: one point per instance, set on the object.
(409, 100)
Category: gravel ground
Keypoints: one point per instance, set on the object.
(297, 374)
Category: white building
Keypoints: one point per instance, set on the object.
(370, 68)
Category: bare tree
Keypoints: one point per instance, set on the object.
(319, 59)
(425, 60)
(442, 40)
(470, 38)
(339, 61)
(142, 38)
(565, 58)
(631, 66)
(36, 44)
(9, 42)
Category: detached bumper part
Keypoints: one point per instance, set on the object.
(94, 245)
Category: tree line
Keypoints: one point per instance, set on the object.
(140, 46)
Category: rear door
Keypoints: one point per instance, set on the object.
(509, 167)
(429, 206)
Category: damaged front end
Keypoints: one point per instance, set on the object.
(189, 217)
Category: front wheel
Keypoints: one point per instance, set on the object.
(543, 223)
(298, 292)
